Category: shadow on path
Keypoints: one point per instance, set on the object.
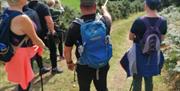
(37, 81)
(7, 87)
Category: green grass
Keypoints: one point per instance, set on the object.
(117, 80)
(74, 4)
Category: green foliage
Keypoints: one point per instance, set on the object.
(117, 8)
(72, 11)
(73, 4)
(173, 52)
(166, 3)
(122, 8)
(67, 17)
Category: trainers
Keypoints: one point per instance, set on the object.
(56, 70)
(44, 70)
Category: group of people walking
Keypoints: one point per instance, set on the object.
(91, 36)
(36, 21)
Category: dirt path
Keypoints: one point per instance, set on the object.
(117, 77)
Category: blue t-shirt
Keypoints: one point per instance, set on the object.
(139, 28)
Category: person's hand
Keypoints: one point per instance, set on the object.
(53, 32)
(103, 8)
(71, 65)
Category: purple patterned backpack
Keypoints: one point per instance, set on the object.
(151, 40)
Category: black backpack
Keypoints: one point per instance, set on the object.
(6, 48)
(34, 17)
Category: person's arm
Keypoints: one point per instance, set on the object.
(134, 29)
(164, 29)
(48, 18)
(106, 13)
(67, 54)
(25, 25)
(131, 36)
(68, 57)
(71, 37)
(50, 24)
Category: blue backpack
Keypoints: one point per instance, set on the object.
(6, 49)
(151, 40)
(95, 49)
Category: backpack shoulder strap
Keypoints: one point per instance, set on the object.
(145, 21)
(78, 21)
(159, 21)
(36, 6)
(147, 24)
(22, 41)
(7, 17)
(98, 17)
(106, 24)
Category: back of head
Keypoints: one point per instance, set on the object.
(153, 4)
(33, 0)
(50, 3)
(88, 6)
(57, 4)
(17, 3)
(12, 2)
(87, 3)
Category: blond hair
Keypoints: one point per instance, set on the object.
(50, 3)
(12, 2)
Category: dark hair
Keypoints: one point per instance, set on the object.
(153, 4)
(87, 3)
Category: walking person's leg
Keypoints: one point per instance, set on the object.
(38, 58)
(84, 77)
(148, 83)
(52, 49)
(137, 83)
(101, 83)
(53, 55)
(39, 61)
(60, 48)
(32, 64)
(40, 64)
(60, 44)
(27, 89)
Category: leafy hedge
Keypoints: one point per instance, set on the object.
(166, 3)
(122, 8)
(117, 8)
(67, 17)
(173, 36)
(172, 46)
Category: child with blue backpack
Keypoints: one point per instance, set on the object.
(147, 33)
(91, 35)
